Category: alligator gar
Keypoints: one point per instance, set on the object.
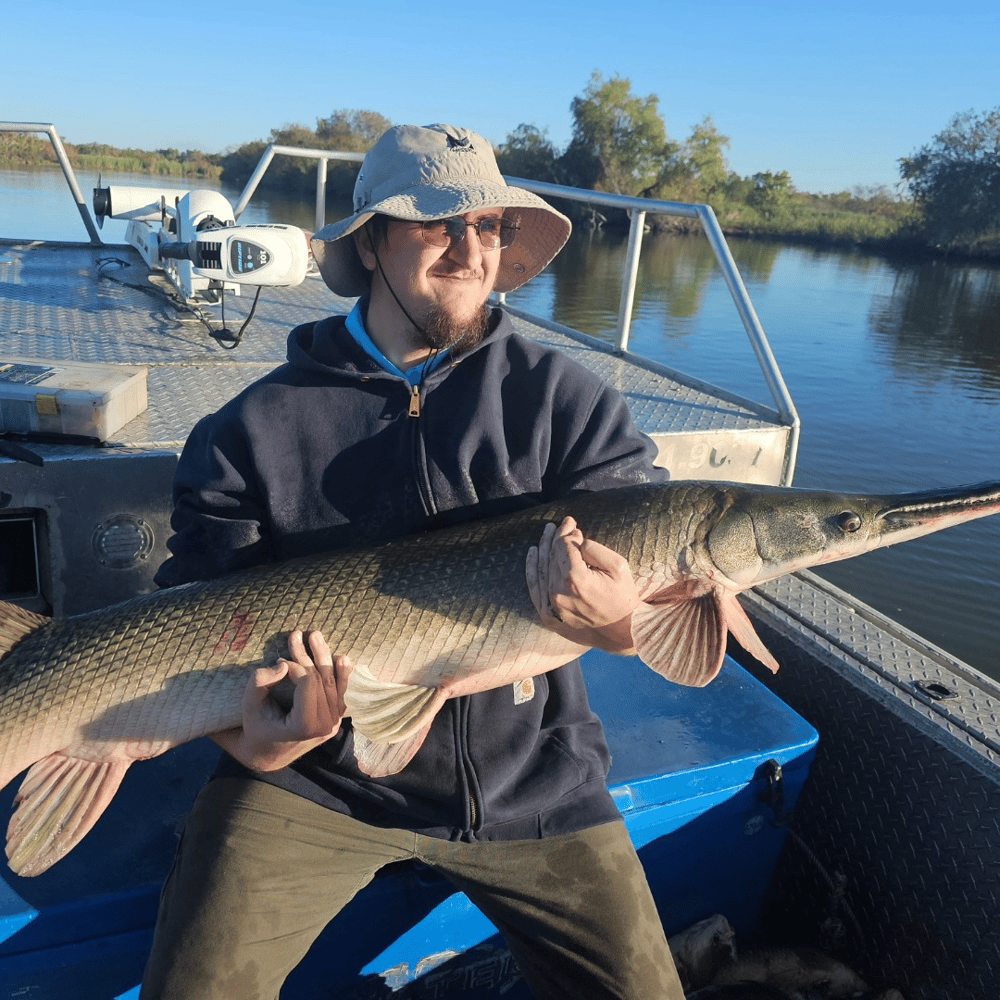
(424, 618)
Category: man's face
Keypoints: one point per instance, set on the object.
(444, 283)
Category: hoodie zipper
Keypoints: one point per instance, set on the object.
(465, 764)
(421, 474)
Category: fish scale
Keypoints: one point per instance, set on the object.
(424, 618)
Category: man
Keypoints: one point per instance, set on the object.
(420, 409)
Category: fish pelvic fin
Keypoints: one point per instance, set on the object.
(743, 632)
(387, 712)
(58, 802)
(684, 638)
(379, 760)
(15, 624)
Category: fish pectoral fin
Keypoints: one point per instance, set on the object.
(379, 760)
(58, 802)
(683, 640)
(743, 631)
(387, 712)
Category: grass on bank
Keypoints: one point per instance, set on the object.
(19, 151)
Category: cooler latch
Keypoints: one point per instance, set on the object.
(774, 794)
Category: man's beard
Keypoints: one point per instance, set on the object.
(441, 330)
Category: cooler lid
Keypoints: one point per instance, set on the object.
(670, 742)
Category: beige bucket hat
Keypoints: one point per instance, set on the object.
(419, 173)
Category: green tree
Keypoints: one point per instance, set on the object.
(771, 193)
(345, 131)
(955, 179)
(695, 170)
(703, 152)
(528, 153)
(351, 131)
(619, 139)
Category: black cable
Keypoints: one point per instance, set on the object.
(224, 337)
(416, 326)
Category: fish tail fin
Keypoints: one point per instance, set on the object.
(58, 802)
(15, 624)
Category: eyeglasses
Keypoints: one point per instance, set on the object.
(493, 233)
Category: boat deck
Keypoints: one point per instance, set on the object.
(100, 304)
(902, 805)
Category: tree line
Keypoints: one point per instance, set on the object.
(619, 144)
(20, 150)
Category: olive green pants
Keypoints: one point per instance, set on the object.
(261, 871)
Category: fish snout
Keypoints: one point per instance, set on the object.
(910, 515)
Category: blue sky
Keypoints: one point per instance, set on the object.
(834, 94)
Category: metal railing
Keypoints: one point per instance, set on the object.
(637, 209)
(67, 169)
(320, 155)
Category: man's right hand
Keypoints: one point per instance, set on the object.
(270, 738)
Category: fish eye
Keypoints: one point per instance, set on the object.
(848, 521)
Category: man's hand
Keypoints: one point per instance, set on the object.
(581, 589)
(271, 738)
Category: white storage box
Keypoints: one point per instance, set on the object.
(69, 397)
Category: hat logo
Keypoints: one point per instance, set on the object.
(460, 145)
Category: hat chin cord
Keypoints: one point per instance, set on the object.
(416, 326)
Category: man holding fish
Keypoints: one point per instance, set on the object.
(422, 408)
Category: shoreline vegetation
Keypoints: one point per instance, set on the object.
(620, 145)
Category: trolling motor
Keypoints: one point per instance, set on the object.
(193, 238)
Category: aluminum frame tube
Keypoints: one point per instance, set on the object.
(755, 331)
(637, 223)
(311, 154)
(67, 169)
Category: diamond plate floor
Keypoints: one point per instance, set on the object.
(98, 304)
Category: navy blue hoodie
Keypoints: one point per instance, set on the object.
(331, 450)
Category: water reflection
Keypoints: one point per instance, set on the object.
(755, 259)
(941, 321)
(671, 284)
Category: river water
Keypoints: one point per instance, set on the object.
(893, 363)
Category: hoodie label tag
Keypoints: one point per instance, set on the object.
(524, 690)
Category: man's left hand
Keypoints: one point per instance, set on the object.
(578, 585)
